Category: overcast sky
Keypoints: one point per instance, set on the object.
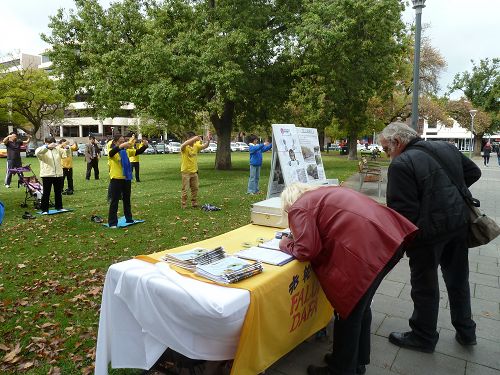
(462, 30)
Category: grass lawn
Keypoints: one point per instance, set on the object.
(52, 268)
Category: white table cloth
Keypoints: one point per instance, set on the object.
(149, 307)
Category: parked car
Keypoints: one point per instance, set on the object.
(212, 147)
(81, 149)
(150, 150)
(3, 150)
(234, 146)
(161, 148)
(174, 147)
(242, 146)
(334, 147)
(32, 146)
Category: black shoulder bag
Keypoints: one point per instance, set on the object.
(482, 229)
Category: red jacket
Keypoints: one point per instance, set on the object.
(347, 237)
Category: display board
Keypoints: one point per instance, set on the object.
(296, 157)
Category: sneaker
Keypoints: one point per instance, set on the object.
(7, 186)
(45, 213)
(113, 226)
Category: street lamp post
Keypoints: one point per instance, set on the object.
(472, 114)
(418, 5)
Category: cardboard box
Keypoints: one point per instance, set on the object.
(268, 213)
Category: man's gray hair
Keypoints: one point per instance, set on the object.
(399, 131)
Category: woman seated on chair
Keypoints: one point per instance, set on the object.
(335, 228)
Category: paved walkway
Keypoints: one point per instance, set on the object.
(392, 307)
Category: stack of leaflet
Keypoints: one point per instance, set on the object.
(229, 270)
(191, 258)
(274, 257)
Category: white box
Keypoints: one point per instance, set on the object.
(268, 213)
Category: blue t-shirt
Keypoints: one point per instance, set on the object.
(256, 153)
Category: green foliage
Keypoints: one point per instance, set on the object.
(482, 88)
(350, 48)
(176, 59)
(52, 268)
(29, 98)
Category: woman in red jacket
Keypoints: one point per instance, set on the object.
(352, 242)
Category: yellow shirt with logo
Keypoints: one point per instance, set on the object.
(115, 164)
(189, 158)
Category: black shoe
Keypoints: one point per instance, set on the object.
(408, 340)
(65, 192)
(317, 370)
(361, 369)
(465, 342)
(69, 192)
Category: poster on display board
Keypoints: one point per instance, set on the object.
(311, 153)
(296, 157)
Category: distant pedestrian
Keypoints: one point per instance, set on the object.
(13, 155)
(67, 166)
(497, 151)
(134, 160)
(256, 151)
(51, 172)
(486, 153)
(189, 166)
(92, 155)
(120, 178)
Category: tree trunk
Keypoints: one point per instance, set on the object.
(223, 126)
(321, 138)
(352, 143)
(478, 143)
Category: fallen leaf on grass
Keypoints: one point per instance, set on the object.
(12, 357)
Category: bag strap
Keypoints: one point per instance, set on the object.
(468, 199)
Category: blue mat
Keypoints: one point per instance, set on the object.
(55, 212)
(122, 223)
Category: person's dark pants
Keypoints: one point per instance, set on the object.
(486, 159)
(94, 164)
(10, 165)
(135, 166)
(452, 256)
(47, 183)
(68, 174)
(119, 189)
(351, 336)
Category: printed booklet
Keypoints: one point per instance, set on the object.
(274, 257)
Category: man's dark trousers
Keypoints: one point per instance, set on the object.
(119, 189)
(68, 174)
(94, 163)
(452, 255)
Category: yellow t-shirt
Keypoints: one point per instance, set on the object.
(115, 164)
(67, 162)
(189, 158)
(135, 159)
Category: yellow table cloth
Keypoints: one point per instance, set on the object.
(287, 304)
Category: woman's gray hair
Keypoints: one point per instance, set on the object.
(294, 192)
(400, 131)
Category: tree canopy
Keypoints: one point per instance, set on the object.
(28, 99)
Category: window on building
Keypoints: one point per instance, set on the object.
(88, 129)
(70, 131)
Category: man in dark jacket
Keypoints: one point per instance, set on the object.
(92, 154)
(419, 188)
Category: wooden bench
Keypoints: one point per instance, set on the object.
(370, 170)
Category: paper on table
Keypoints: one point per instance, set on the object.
(269, 256)
(273, 244)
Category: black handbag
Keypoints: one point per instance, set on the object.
(482, 229)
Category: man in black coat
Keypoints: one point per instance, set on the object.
(419, 188)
